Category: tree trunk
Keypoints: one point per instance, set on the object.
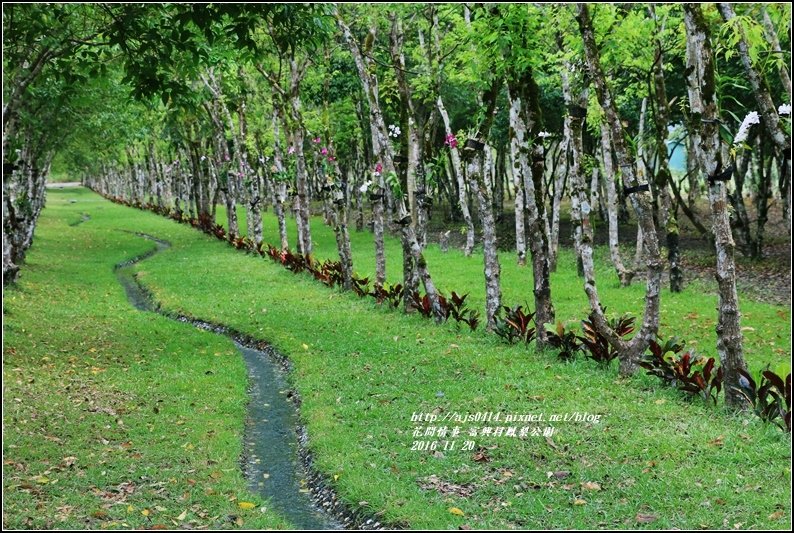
(479, 185)
(560, 178)
(523, 98)
(628, 352)
(457, 166)
(279, 189)
(518, 183)
(303, 204)
(663, 176)
(706, 140)
(624, 275)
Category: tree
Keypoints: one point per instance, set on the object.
(629, 351)
(708, 150)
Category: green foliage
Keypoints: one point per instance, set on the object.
(689, 373)
(770, 399)
(513, 324)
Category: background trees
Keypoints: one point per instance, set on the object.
(401, 115)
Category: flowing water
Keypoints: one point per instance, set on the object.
(272, 465)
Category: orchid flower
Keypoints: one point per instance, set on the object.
(744, 129)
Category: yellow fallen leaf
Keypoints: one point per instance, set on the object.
(182, 516)
(336, 476)
(305, 346)
(456, 511)
(130, 508)
(246, 505)
(145, 512)
(579, 501)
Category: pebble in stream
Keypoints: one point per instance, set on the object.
(271, 447)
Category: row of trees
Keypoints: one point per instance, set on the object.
(410, 111)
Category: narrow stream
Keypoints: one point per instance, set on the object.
(272, 464)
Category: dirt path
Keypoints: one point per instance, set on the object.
(64, 185)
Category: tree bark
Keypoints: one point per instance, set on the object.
(624, 275)
(706, 140)
(479, 185)
(629, 352)
(528, 164)
(518, 183)
(279, 189)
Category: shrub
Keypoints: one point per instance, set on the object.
(329, 272)
(243, 243)
(769, 400)
(219, 232)
(689, 373)
(515, 325)
(461, 312)
(567, 342)
(388, 293)
(360, 285)
(596, 344)
(423, 305)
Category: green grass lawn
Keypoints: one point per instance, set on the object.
(76, 352)
(111, 417)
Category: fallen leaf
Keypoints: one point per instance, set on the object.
(579, 501)
(591, 485)
(480, 457)
(776, 516)
(246, 505)
(182, 516)
(456, 511)
(645, 518)
(146, 512)
(305, 346)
